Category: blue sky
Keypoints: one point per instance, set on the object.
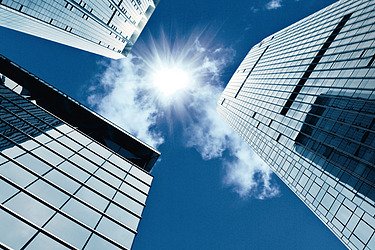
(210, 191)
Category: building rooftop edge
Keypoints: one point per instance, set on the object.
(78, 115)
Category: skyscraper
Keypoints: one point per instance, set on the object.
(304, 99)
(105, 27)
(68, 177)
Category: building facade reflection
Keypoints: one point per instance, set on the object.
(66, 182)
(105, 27)
(303, 99)
(338, 134)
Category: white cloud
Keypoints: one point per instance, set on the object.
(248, 174)
(273, 4)
(122, 97)
(126, 98)
(245, 172)
(208, 133)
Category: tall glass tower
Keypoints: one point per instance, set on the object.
(68, 178)
(304, 99)
(105, 27)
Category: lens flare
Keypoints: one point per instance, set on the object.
(169, 81)
(173, 68)
(177, 69)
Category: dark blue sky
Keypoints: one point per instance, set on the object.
(189, 205)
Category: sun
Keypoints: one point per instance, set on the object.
(172, 69)
(171, 80)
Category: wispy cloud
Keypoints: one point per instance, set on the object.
(254, 9)
(122, 97)
(247, 174)
(126, 97)
(273, 4)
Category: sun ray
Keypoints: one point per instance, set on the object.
(176, 69)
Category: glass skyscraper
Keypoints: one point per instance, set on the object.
(104, 27)
(68, 178)
(304, 99)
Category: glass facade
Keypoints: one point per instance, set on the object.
(61, 188)
(108, 27)
(304, 99)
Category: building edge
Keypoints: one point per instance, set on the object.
(77, 115)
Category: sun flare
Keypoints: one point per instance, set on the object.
(173, 69)
(170, 80)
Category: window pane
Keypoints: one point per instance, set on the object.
(6, 191)
(83, 163)
(79, 137)
(42, 138)
(126, 188)
(42, 241)
(13, 151)
(33, 163)
(98, 243)
(92, 198)
(48, 155)
(103, 175)
(81, 212)
(60, 149)
(114, 170)
(62, 181)
(19, 234)
(68, 230)
(70, 143)
(101, 187)
(129, 203)
(120, 162)
(123, 216)
(136, 183)
(30, 209)
(16, 174)
(64, 128)
(91, 156)
(116, 232)
(100, 150)
(74, 171)
(48, 193)
(30, 144)
(141, 175)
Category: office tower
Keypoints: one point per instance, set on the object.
(304, 99)
(105, 27)
(68, 177)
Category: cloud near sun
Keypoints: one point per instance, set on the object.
(129, 95)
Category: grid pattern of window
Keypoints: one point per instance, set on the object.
(304, 99)
(103, 27)
(59, 188)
